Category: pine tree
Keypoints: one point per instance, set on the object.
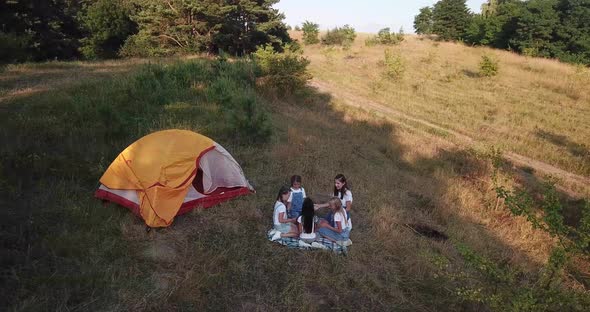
(574, 30)
(235, 27)
(108, 24)
(248, 24)
(46, 29)
(536, 28)
(311, 32)
(450, 19)
(423, 21)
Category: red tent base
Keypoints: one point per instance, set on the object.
(220, 195)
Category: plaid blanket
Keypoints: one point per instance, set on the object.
(293, 243)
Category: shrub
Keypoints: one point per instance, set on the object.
(339, 36)
(141, 45)
(282, 72)
(297, 28)
(384, 36)
(311, 32)
(329, 54)
(393, 64)
(488, 66)
(247, 121)
(371, 41)
(233, 90)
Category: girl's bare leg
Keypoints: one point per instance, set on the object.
(294, 232)
(290, 234)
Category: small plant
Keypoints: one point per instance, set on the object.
(394, 65)
(340, 36)
(386, 37)
(329, 54)
(371, 41)
(232, 89)
(247, 121)
(297, 28)
(311, 32)
(430, 57)
(530, 51)
(488, 66)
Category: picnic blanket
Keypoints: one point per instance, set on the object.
(293, 243)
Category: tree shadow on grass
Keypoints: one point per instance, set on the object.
(471, 74)
(576, 149)
(388, 264)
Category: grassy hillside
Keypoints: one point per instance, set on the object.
(535, 107)
(63, 123)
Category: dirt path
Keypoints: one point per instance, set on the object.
(566, 178)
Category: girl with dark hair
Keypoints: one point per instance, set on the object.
(295, 201)
(307, 221)
(343, 193)
(283, 227)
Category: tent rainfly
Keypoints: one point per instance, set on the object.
(168, 173)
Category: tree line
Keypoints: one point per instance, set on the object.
(37, 30)
(544, 28)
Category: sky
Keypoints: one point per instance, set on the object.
(363, 15)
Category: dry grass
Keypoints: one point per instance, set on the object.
(529, 97)
(29, 78)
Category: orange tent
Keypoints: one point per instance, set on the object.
(168, 173)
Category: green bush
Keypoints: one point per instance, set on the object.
(393, 64)
(371, 41)
(247, 121)
(311, 32)
(386, 37)
(233, 89)
(282, 72)
(140, 45)
(488, 66)
(339, 36)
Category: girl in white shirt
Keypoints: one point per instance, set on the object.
(343, 193)
(283, 227)
(338, 230)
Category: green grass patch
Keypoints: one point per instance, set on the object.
(63, 249)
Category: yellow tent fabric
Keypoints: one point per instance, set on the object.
(160, 167)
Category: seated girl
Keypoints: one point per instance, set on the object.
(283, 227)
(338, 230)
(307, 221)
(342, 191)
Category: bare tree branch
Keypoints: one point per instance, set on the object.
(173, 39)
